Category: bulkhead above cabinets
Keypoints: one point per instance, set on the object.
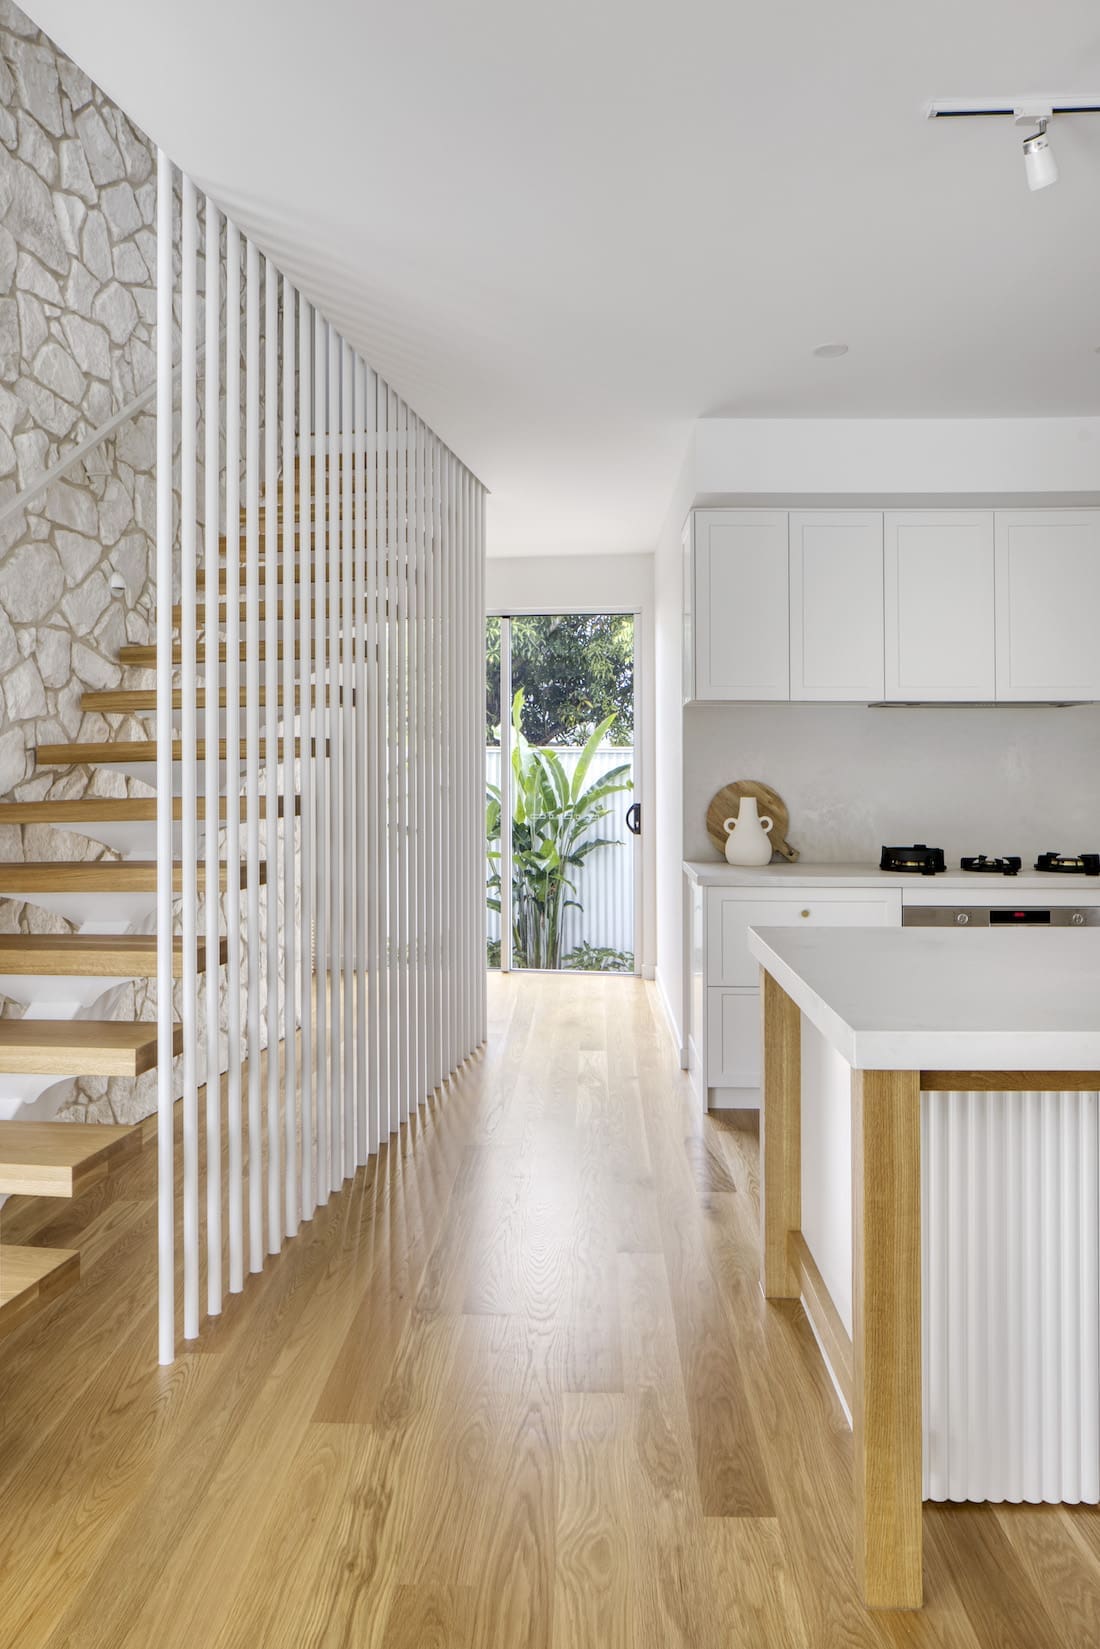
(894, 606)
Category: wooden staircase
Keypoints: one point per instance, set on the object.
(55, 1159)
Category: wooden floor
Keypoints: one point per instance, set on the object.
(517, 1389)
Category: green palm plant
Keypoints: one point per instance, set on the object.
(552, 813)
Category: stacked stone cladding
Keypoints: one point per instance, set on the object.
(77, 345)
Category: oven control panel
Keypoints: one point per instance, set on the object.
(1021, 915)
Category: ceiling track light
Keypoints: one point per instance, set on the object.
(1040, 166)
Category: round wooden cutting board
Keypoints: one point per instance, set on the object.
(770, 804)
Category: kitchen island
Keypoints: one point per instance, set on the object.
(929, 1189)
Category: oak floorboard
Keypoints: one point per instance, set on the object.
(351, 1456)
(732, 1475)
(1001, 1603)
(593, 1602)
(1063, 1567)
(430, 1617)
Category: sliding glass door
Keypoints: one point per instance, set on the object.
(562, 820)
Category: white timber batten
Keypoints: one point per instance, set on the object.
(348, 696)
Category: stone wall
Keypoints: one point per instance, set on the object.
(77, 313)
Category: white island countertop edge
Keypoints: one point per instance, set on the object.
(900, 999)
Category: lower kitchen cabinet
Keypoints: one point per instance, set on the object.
(724, 1001)
(732, 1040)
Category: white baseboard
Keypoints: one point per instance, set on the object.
(671, 1021)
(733, 1099)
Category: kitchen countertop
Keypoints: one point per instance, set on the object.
(901, 999)
(982, 888)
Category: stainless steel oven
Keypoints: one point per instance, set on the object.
(1022, 915)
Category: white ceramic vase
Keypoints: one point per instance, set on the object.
(747, 839)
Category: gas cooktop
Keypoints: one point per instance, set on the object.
(922, 860)
(1070, 864)
(1007, 866)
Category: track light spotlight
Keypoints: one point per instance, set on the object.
(1039, 162)
(1040, 166)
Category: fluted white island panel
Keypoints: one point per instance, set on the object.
(950, 1078)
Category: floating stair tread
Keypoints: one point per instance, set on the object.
(61, 1159)
(92, 955)
(177, 612)
(133, 750)
(30, 1278)
(139, 701)
(112, 810)
(99, 876)
(78, 1047)
(140, 656)
(223, 580)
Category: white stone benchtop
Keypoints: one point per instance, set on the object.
(980, 889)
(899, 999)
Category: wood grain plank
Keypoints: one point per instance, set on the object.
(102, 955)
(80, 1047)
(430, 1616)
(593, 1594)
(108, 809)
(997, 1594)
(25, 878)
(59, 1159)
(780, 1139)
(1053, 1548)
(886, 1337)
(953, 1082)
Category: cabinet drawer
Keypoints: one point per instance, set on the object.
(733, 1039)
(729, 918)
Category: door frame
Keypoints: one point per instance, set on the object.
(640, 729)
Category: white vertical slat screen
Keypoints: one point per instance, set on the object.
(211, 733)
(271, 763)
(1011, 1196)
(288, 688)
(189, 302)
(234, 971)
(335, 792)
(252, 492)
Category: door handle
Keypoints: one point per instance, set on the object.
(634, 818)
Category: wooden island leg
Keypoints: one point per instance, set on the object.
(886, 1338)
(780, 1141)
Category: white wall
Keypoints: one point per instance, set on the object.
(950, 456)
(668, 739)
(598, 583)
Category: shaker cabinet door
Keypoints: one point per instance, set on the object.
(739, 621)
(939, 605)
(836, 604)
(1048, 596)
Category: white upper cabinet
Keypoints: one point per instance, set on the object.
(1048, 598)
(923, 606)
(939, 605)
(740, 618)
(836, 604)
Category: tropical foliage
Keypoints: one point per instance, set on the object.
(576, 670)
(553, 813)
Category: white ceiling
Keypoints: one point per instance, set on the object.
(565, 231)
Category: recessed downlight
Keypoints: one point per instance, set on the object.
(830, 352)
